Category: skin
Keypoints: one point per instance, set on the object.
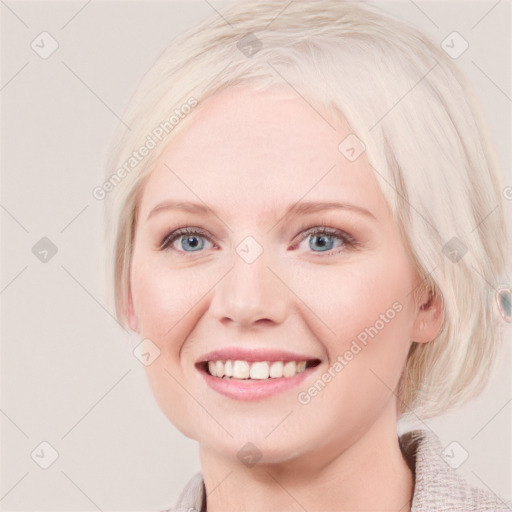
(248, 156)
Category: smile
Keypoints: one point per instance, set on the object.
(244, 380)
(256, 370)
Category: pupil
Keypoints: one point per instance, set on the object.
(193, 244)
(321, 241)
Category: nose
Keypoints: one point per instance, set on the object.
(250, 295)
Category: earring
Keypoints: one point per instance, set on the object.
(503, 299)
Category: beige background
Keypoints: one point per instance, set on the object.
(68, 375)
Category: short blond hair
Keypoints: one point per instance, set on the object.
(425, 138)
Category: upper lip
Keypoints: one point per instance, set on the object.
(246, 354)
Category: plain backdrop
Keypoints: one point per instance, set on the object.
(68, 374)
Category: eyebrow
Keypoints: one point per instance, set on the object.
(301, 207)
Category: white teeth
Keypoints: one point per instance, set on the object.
(258, 370)
(276, 369)
(228, 368)
(219, 369)
(289, 369)
(241, 370)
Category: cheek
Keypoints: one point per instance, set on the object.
(163, 298)
(353, 296)
(366, 305)
(164, 302)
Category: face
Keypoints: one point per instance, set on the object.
(263, 275)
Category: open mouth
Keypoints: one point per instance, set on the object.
(255, 370)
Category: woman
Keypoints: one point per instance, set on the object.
(295, 223)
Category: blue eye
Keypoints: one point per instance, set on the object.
(324, 239)
(192, 240)
(327, 240)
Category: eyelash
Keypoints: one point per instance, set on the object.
(348, 240)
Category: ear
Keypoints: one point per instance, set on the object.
(429, 318)
(129, 313)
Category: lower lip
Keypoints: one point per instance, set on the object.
(254, 389)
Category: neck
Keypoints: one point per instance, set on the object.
(370, 474)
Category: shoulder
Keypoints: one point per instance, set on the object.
(192, 497)
(438, 486)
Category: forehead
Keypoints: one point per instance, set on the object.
(259, 150)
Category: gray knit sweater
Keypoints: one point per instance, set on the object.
(437, 487)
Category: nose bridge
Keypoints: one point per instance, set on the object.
(250, 292)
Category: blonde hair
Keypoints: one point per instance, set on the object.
(424, 137)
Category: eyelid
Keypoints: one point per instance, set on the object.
(186, 230)
(305, 231)
(347, 240)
